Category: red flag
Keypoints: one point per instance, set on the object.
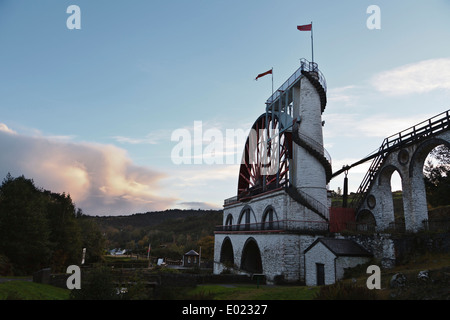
(264, 74)
(306, 27)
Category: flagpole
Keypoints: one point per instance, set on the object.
(312, 43)
(272, 82)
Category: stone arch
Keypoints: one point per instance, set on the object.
(246, 218)
(227, 253)
(229, 222)
(269, 219)
(251, 257)
(417, 196)
(386, 173)
(421, 153)
(365, 221)
(395, 216)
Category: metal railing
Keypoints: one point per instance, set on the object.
(315, 145)
(305, 65)
(276, 225)
(230, 200)
(438, 225)
(309, 202)
(424, 129)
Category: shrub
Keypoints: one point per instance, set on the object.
(345, 291)
(98, 285)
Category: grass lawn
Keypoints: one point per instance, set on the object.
(252, 292)
(27, 290)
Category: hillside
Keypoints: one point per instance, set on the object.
(151, 219)
(170, 233)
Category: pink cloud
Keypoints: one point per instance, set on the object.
(101, 179)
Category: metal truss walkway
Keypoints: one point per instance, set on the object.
(415, 134)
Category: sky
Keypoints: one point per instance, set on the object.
(98, 112)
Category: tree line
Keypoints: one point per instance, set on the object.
(437, 177)
(170, 233)
(40, 229)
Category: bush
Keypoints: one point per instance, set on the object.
(98, 285)
(345, 291)
(6, 268)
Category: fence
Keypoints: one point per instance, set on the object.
(276, 225)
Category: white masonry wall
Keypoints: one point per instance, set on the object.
(308, 174)
(285, 208)
(319, 254)
(281, 254)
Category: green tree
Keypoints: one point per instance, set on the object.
(98, 284)
(437, 176)
(65, 233)
(91, 238)
(24, 231)
(207, 244)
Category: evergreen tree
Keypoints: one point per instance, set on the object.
(24, 231)
(65, 234)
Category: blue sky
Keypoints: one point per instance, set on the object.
(91, 112)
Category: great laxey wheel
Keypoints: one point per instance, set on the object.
(265, 160)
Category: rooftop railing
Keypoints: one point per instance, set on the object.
(305, 65)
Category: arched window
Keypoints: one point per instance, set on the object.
(251, 257)
(226, 253)
(244, 219)
(269, 219)
(365, 221)
(229, 222)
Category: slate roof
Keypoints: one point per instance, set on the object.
(191, 253)
(342, 247)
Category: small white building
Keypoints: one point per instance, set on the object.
(327, 258)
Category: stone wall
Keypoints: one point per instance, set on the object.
(281, 254)
(319, 254)
(408, 162)
(380, 245)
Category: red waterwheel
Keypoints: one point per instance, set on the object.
(265, 161)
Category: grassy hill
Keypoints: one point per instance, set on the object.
(27, 290)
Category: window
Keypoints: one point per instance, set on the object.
(244, 220)
(268, 220)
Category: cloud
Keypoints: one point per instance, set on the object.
(374, 126)
(342, 95)
(4, 128)
(151, 138)
(384, 125)
(101, 179)
(420, 77)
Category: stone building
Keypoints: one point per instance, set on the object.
(279, 219)
(327, 258)
(281, 204)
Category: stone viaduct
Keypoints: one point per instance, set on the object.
(282, 205)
